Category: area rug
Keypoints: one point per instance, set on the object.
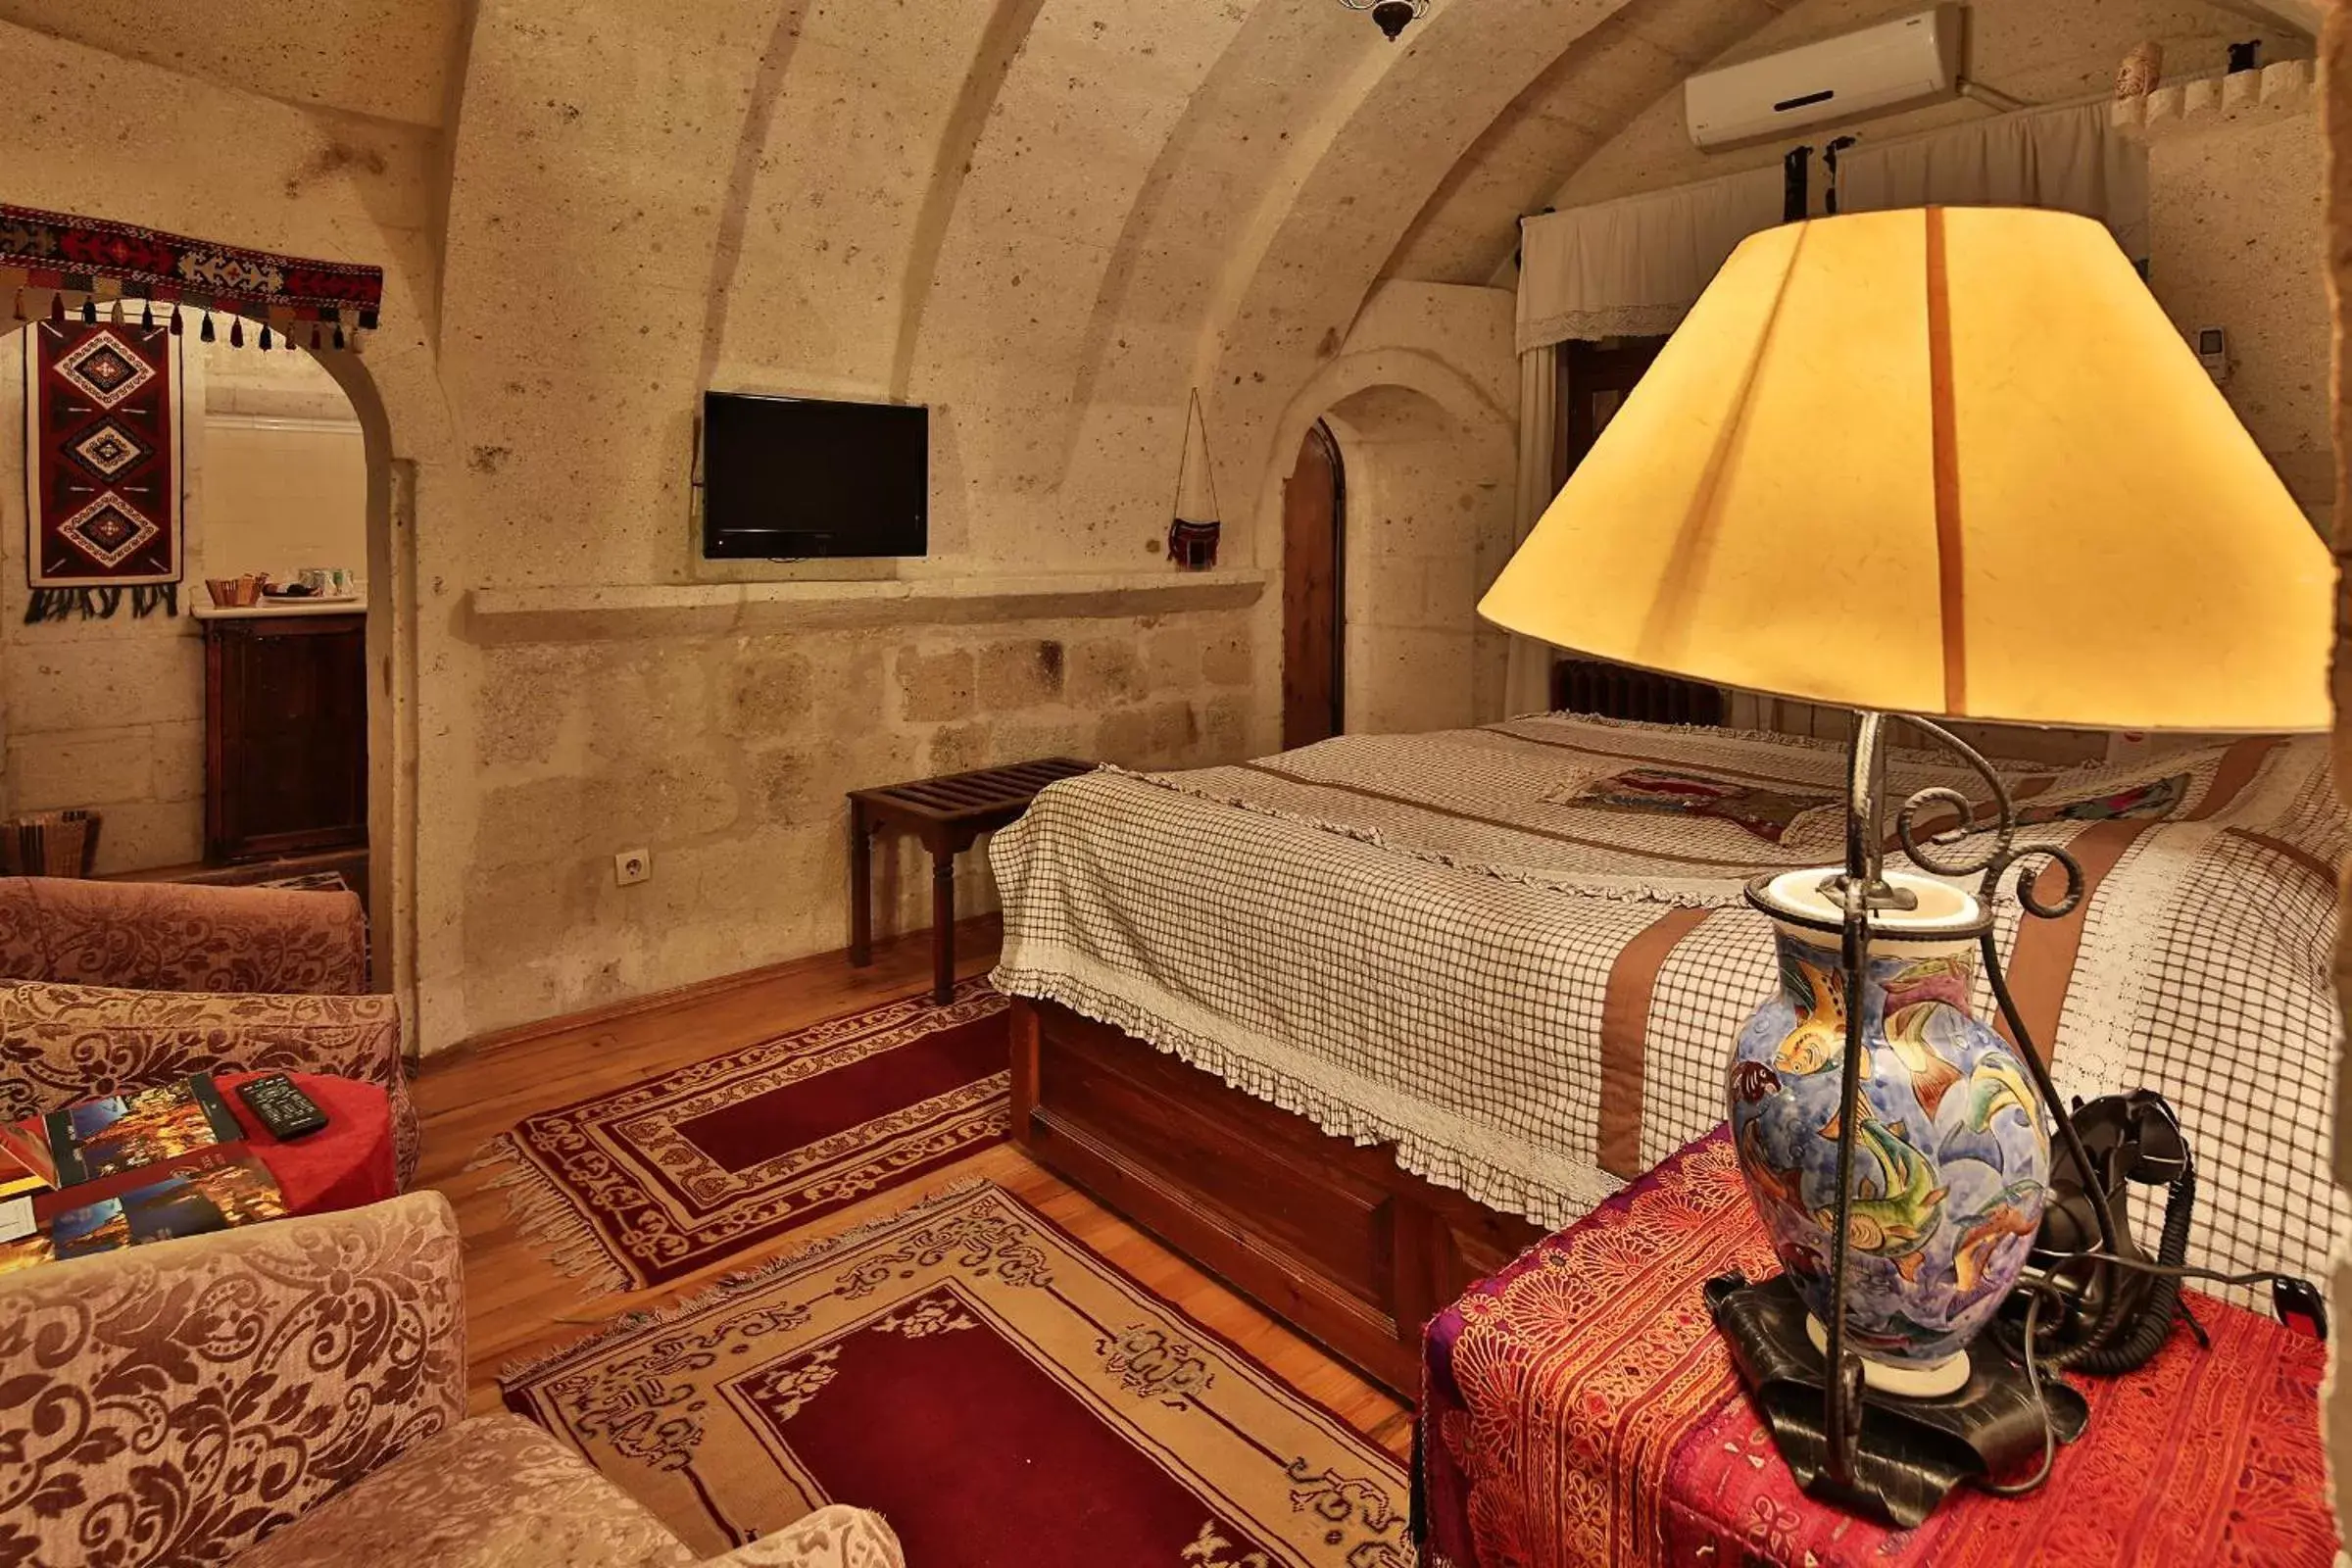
(998, 1393)
(648, 1184)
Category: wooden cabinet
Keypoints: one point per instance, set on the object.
(285, 707)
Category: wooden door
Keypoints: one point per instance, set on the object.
(1595, 379)
(286, 735)
(1315, 615)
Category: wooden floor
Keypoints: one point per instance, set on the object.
(519, 1305)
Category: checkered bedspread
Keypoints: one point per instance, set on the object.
(1520, 953)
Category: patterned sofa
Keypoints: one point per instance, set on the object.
(294, 1393)
(119, 985)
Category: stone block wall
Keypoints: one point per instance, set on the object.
(729, 758)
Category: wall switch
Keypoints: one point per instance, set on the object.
(2213, 352)
(632, 867)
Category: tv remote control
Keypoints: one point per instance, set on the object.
(284, 1109)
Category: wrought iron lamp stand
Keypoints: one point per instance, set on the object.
(1898, 1463)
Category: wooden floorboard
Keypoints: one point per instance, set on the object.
(519, 1305)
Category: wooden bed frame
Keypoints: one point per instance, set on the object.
(1330, 1237)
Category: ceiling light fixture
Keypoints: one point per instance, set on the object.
(1393, 15)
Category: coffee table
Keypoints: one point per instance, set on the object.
(348, 1164)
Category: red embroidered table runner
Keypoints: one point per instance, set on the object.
(1580, 1409)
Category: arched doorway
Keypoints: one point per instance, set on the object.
(284, 464)
(1428, 525)
(1314, 610)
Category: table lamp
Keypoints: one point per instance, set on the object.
(1937, 462)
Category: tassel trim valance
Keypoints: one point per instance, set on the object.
(91, 267)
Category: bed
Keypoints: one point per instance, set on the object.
(1352, 1024)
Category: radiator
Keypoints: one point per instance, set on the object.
(1619, 691)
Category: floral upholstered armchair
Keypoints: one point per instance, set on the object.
(294, 1393)
(107, 986)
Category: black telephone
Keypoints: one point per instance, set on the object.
(2096, 1315)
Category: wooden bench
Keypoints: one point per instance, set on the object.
(948, 813)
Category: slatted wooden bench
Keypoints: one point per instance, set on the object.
(948, 813)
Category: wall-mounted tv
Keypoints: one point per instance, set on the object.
(790, 478)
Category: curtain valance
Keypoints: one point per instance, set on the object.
(83, 264)
(1632, 267)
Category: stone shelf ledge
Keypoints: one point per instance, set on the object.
(2248, 97)
(709, 610)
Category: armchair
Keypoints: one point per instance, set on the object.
(120, 985)
(181, 936)
(294, 1393)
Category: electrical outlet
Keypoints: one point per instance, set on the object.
(632, 867)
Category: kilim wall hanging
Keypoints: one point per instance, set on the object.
(102, 471)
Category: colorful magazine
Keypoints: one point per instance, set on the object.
(123, 1132)
(231, 1189)
(25, 1161)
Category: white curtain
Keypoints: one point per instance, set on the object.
(2065, 159)
(1527, 683)
(1632, 266)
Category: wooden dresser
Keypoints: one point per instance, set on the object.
(285, 746)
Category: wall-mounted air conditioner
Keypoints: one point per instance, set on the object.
(1893, 64)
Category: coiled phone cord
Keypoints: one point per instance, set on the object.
(2171, 1274)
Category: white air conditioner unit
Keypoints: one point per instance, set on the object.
(1884, 67)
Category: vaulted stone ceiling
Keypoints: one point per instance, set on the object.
(384, 59)
(1053, 216)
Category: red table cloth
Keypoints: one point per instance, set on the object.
(1579, 1408)
(349, 1163)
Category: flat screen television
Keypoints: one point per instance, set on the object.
(790, 478)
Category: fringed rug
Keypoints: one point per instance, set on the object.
(994, 1390)
(648, 1184)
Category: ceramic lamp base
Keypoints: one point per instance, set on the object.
(1930, 1380)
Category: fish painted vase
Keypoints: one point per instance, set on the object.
(1951, 1145)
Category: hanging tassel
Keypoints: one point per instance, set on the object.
(207, 333)
(19, 305)
(175, 327)
(57, 308)
(115, 312)
(265, 337)
(89, 311)
(315, 338)
(236, 331)
(147, 315)
(338, 334)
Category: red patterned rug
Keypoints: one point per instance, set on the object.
(648, 1184)
(993, 1389)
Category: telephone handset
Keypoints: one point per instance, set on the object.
(2096, 1315)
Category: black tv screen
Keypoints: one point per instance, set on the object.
(786, 478)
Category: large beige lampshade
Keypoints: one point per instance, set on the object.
(1944, 461)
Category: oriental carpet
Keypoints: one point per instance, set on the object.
(998, 1393)
(646, 1184)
